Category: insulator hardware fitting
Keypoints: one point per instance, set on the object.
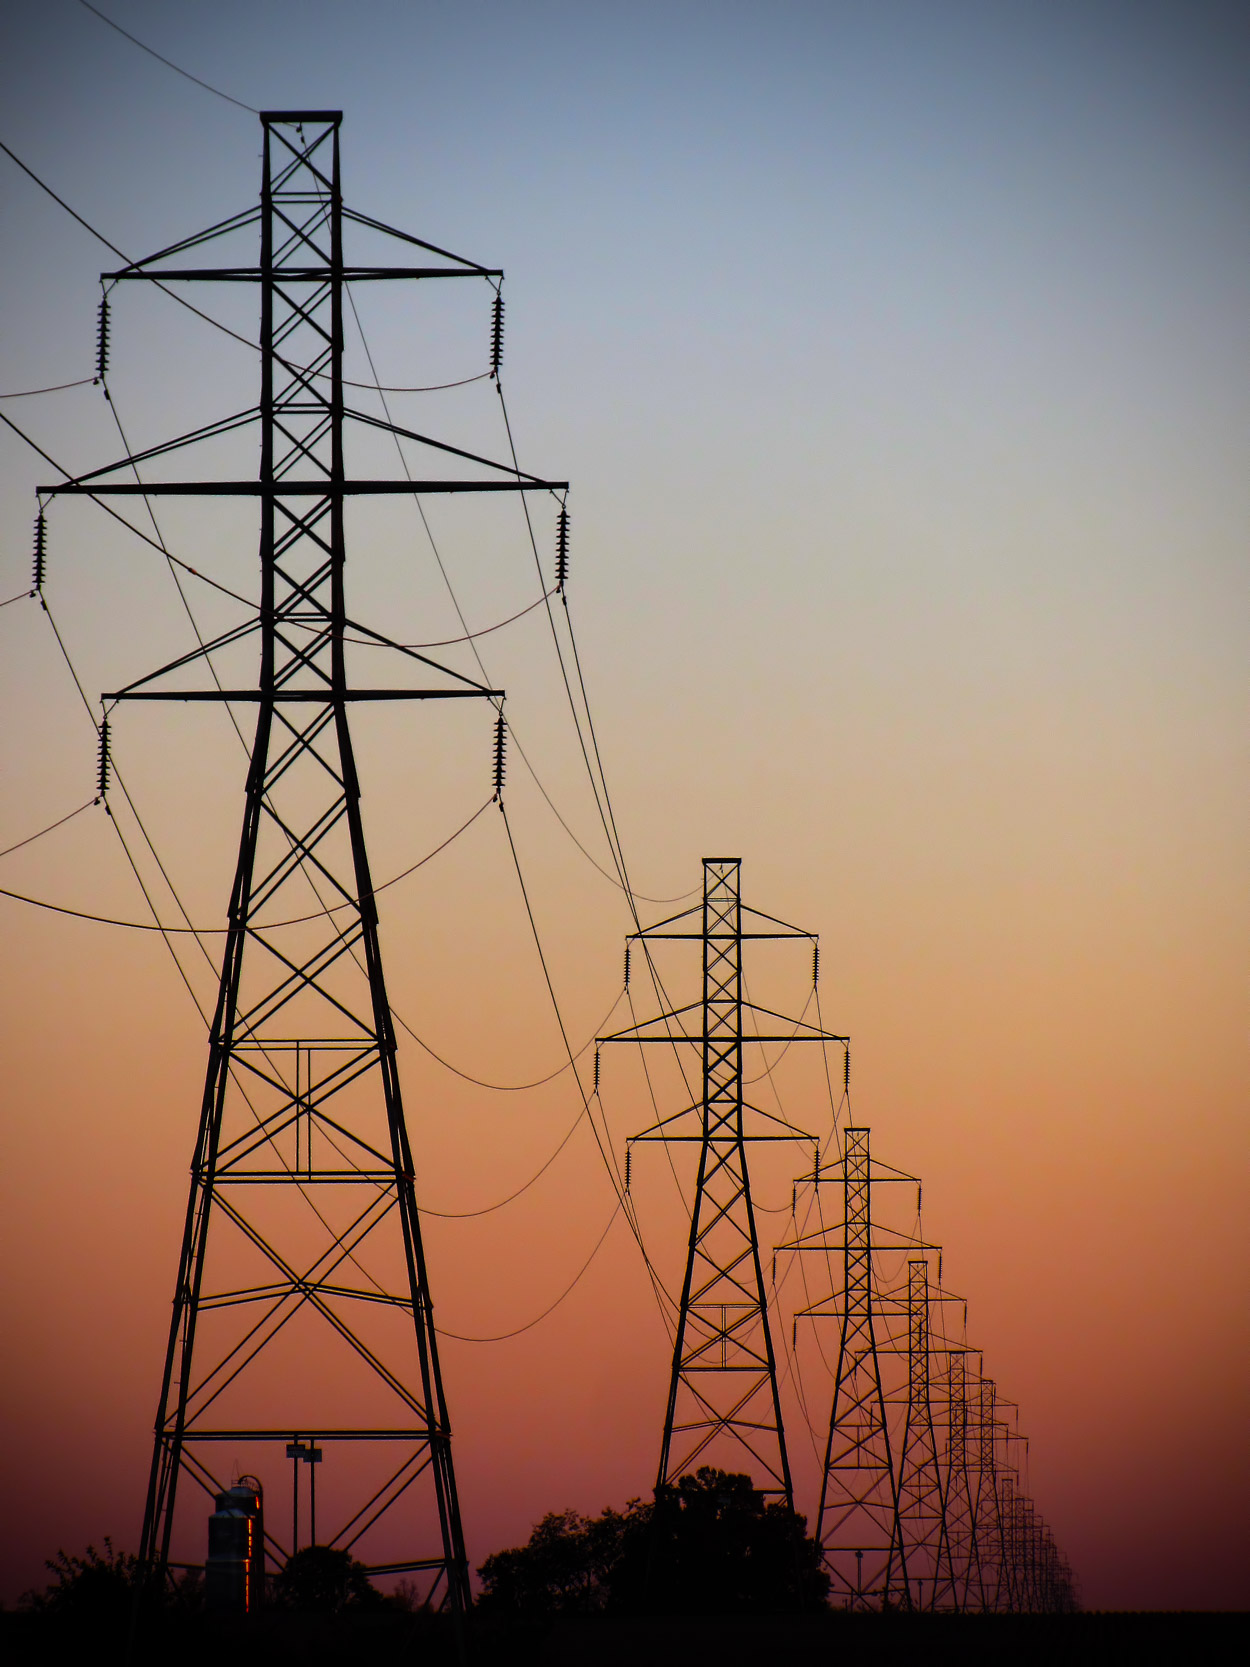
(102, 341)
(41, 551)
(500, 754)
(496, 335)
(562, 550)
(102, 769)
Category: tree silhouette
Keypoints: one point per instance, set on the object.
(97, 1587)
(324, 1580)
(709, 1545)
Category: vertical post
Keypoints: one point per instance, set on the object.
(295, 1452)
(313, 1455)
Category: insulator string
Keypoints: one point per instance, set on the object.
(102, 340)
(41, 551)
(496, 335)
(562, 549)
(501, 732)
(102, 770)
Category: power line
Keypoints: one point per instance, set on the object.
(471, 637)
(56, 388)
(129, 525)
(268, 926)
(507, 1087)
(530, 1324)
(177, 69)
(121, 253)
(604, 1151)
(429, 388)
(52, 826)
(489, 1209)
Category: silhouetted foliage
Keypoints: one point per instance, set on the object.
(710, 1545)
(566, 1567)
(97, 1587)
(717, 1547)
(323, 1580)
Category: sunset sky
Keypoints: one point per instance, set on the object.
(898, 356)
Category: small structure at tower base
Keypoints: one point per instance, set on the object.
(234, 1575)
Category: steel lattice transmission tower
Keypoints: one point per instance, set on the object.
(858, 1519)
(921, 1506)
(963, 1590)
(1013, 1596)
(987, 1524)
(302, 1319)
(723, 1402)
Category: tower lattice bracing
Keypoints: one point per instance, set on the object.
(962, 1587)
(987, 1526)
(723, 1404)
(857, 1522)
(1011, 1596)
(302, 1324)
(921, 1507)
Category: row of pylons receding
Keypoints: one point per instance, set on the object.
(923, 1501)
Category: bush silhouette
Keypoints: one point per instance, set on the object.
(324, 1580)
(96, 1588)
(709, 1545)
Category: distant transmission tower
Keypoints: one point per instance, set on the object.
(858, 1519)
(921, 1508)
(962, 1589)
(302, 1321)
(1009, 1517)
(723, 1403)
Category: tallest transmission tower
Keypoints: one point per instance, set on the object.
(302, 1324)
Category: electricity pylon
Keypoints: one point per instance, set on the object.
(963, 1591)
(723, 1403)
(1009, 1517)
(858, 1520)
(302, 1317)
(987, 1529)
(921, 1506)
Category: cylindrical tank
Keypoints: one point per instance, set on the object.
(234, 1572)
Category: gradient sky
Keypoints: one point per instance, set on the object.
(899, 356)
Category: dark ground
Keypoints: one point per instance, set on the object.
(379, 1640)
